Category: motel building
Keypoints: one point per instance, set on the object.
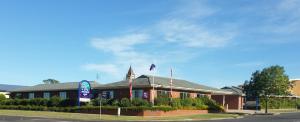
(142, 87)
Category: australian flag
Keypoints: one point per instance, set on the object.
(152, 67)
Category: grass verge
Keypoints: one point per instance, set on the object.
(95, 117)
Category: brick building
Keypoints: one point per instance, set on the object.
(235, 100)
(142, 87)
(295, 89)
(62, 90)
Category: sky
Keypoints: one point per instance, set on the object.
(214, 43)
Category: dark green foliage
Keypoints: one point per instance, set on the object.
(125, 102)
(104, 102)
(38, 102)
(54, 101)
(162, 101)
(95, 102)
(280, 103)
(115, 103)
(50, 81)
(139, 102)
(270, 81)
(186, 102)
(2, 97)
(56, 104)
(67, 102)
(84, 108)
(176, 103)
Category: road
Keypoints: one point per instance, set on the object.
(286, 117)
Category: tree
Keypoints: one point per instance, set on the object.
(2, 97)
(50, 81)
(270, 81)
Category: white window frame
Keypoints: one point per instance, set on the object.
(31, 95)
(110, 94)
(63, 95)
(46, 95)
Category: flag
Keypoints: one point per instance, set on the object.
(152, 67)
(130, 88)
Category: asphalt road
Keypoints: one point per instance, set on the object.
(287, 117)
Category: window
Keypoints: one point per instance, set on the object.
(108, 94)
(137, 93)
(46, 95)
(184, 95)
(31, 96)
(163, 93)
(199, 95)
(63, 95)
(18, 95)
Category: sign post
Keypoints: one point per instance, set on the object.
(84, 91)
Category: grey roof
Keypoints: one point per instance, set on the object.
(163, 82)
(235, 90)
(53, 87)
(5, 87)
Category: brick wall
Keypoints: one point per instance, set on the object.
(233, 101)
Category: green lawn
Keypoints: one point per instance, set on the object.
(79, 116)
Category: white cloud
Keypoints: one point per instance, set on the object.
(120, 43)
(192, 35)
(179, 27)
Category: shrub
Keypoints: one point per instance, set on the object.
(23, 102)
(125, 102)
(139, 102)
(67, 102)
(54, 101)
(188, 102)
(95, 102)
(279, 103)
(38, 102)
(2, 97)
(176, 103)
(162, 101)
(115, 103)
(212, 105)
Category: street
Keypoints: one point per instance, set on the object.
(285, 117)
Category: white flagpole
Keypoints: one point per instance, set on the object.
(171, 84)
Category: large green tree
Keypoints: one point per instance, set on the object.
(270, 81)
(50, 81)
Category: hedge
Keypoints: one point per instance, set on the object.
(203, 103)
(78, 109)
(165, 104)
(280, 103)
(52, 102)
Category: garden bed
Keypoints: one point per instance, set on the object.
(141, 112)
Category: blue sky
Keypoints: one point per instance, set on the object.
(215, 43)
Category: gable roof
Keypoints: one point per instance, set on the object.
(234, 90)
(5, 87)
(162, 82)
(53, 87)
